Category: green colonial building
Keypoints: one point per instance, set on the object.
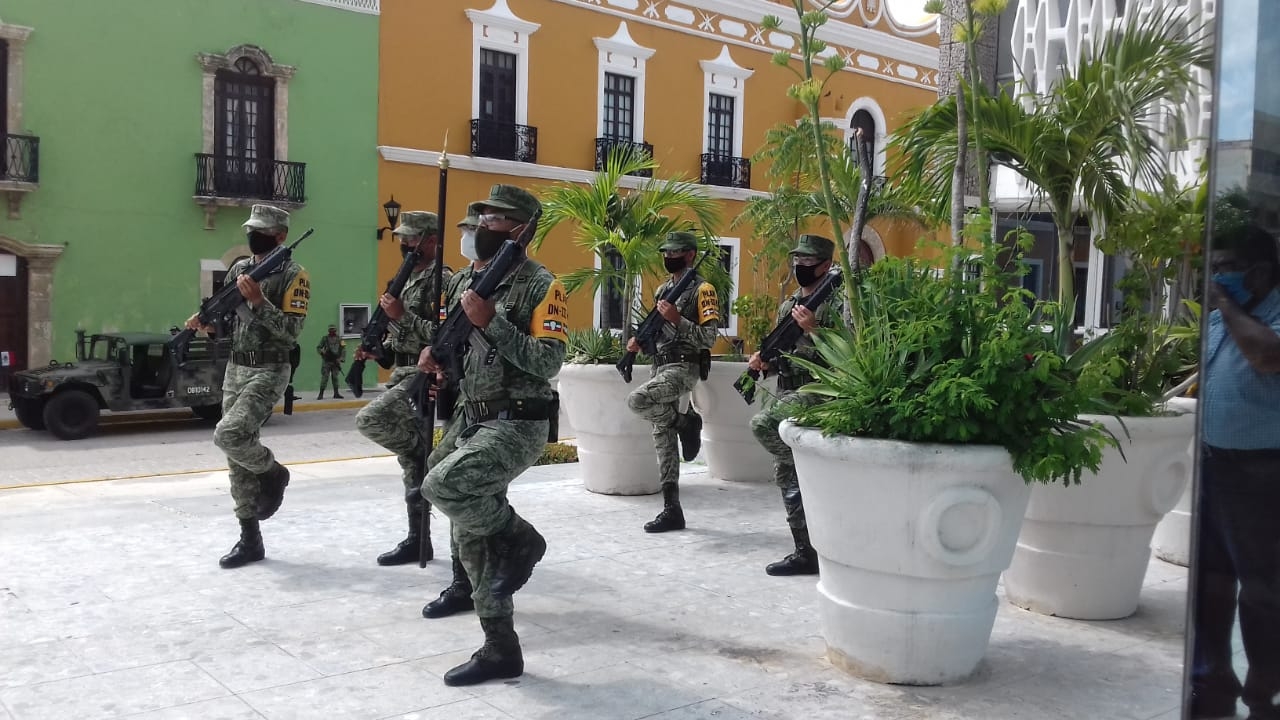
(137, 133)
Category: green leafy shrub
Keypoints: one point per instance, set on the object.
(955, 357)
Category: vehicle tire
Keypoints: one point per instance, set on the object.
(71, 414)
(30, 412)
(212, 413)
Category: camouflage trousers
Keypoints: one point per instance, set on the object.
(468, 480)
(389, 421)
(330, 372)
(248, 396)
(765, 427)
(658, 401)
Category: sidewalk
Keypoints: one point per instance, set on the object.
(112, 605)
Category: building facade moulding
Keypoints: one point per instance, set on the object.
(366, 7)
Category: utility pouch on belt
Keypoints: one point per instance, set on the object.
(704, 364)
(553, 424)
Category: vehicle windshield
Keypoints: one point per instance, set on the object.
(100, 349)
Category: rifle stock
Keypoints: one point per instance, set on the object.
(646, 335)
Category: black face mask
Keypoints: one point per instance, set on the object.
(488, 242)
(807, 275)
(674, 264)
(405, 250)
(261, 243)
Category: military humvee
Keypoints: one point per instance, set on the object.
(119, 372)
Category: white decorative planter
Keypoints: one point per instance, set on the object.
(615, 446)
(566, 427)
(911, 541)
(1172, 540)
(1084, 549)
(731, 451)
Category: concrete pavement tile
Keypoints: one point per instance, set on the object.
(168, 609)
(543, 659)
(40, 662)
(109, 648)
(724, 667)
(417, 637)
(375, 693)
(619, 692)
(333, 650)
(708, 710)
(822, 696)
(114, 694)
(228, 708)
(254, 667)
(1134, 683)
(474, 709)
(21, 628)
(345, 612)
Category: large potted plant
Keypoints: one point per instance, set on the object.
(941, 407)
(620, 219)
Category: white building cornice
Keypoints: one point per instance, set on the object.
(500, 16)
(365, 7)
(414, 156)
(622, 45)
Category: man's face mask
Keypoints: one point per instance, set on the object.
(488, 242)
(1233, 283)
(261, 243)
(405, 250)
(674, 264)
(469, 244)
(332, 332)
(807, 275)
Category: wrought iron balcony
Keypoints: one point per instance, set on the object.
(235, 177)
(726, 171)
(605, 145)
(20, 159)
(504, 141)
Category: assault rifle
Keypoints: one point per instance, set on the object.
(647, 333)
(784, 337)
(376, 331)
(450, 342)
(226, 300)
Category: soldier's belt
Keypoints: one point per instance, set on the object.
(670, 358)
(258, 358)
(512, 409)
(405, 359)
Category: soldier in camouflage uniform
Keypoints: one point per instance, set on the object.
(456, 597)
(499, 428)
(333, 352)
(265, 328)
(811, 260)
(389, 420)
(693, 322)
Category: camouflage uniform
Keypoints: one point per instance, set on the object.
(774, 410)
(674, 373)
(389, 420)
(256, 376)
(333, 352)
(499, 428)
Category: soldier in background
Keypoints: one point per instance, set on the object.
(500, 426)
(811, 261)
(333, 352)
(389, 420)
(693, 322)
(265, 327)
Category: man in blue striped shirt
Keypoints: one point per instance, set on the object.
(1238, 556)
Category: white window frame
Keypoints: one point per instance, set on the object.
(621, 55)
(723, 76)
(1037, 263)
(882, 129)
(735, 272)
(500, 29)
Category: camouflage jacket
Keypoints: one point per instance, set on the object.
(415, 329)
(828, 315)
(332, 349)
(277, 322)
(700, 324)
(524, 345)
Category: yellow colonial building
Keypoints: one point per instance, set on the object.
(535, 92)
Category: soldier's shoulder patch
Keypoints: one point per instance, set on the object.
(708, 304)
(297, 296)
(551, 317)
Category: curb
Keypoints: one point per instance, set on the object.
(185, 413)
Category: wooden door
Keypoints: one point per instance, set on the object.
(13, 312)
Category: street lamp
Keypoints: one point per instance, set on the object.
(392, 209)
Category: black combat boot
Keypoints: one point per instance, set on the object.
(273, 482)
(689, 430)
(672, 516)
(336, 395)
(804, 561)
(516, 548)
(408, 550)
(454, 599)
(321, 395)
(498, 659)
(248, 549)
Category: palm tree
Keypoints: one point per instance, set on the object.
(1084, 143)
(622, 220)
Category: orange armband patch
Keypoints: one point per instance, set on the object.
(297, 297)
(551, 318)
(708, 304)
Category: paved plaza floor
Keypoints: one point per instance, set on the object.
(112, 604)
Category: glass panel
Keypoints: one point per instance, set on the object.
(720, 125)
